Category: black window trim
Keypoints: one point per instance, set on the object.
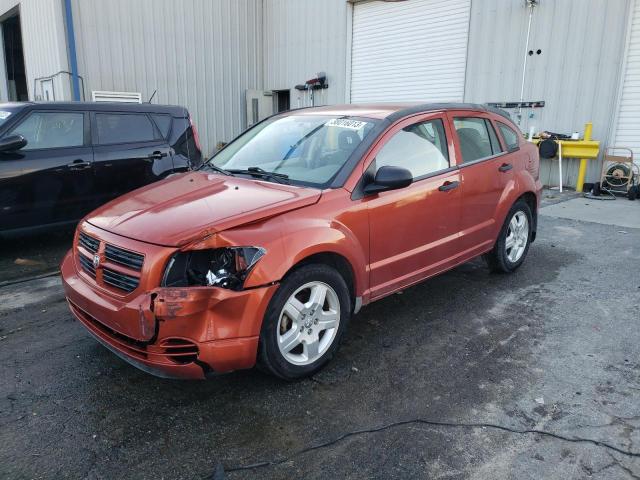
(86, 125)
(509, 149)
(151, 115)
(96, 139)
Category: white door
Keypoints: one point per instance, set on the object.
(409, 51)
(627, 131)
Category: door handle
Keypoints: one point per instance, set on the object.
(78, 165)
(446, 186)
(505, 167)
(157, 155)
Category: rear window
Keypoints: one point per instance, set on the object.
(475, 141)
(163, 122)
(510, 137)
(124, 128)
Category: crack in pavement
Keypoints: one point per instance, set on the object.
(219, 469)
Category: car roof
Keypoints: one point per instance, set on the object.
(394, 111)
(103, 106)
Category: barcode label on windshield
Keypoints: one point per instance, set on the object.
(4, 114)
(346, 123)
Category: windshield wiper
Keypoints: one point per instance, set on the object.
(215, 169)
(259, 172)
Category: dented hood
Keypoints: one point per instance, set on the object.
(187, 207)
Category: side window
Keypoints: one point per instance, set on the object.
(510, 137)
(51, 130)
(493, 138)
(473, 134)
(163, 122)
(421, 148)
(124, 128)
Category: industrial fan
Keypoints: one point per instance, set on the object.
(619, 173)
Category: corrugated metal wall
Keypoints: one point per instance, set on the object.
(577, 74)
(44, 43)
(198, 53)
(302, 38)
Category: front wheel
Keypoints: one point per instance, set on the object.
(305, 322)
(513, 241)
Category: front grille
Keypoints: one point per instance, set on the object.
(179, 350)
(89, 243)
(123, 257)
(119, 280)
(87, 265)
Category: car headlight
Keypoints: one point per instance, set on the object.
(225, 267)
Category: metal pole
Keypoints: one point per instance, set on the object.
(582, 171)
(526, 56)
(73, 60)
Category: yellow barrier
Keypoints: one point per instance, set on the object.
(583, 149)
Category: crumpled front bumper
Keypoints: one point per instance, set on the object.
(186, 333)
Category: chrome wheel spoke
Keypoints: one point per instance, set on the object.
(311, 349)
(318, 295)
(293, 308)
(510, 241)
(328, 320)
(290, 339)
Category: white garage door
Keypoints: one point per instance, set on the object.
(409, 51)
(627, 133)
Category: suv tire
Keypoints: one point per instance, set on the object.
(513, 241)
(305, 322)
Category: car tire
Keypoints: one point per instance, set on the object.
(512, 246)
(299, 335)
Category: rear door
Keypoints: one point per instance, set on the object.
(414, 230)
(485, 174)
(129, 152)
(50, 180)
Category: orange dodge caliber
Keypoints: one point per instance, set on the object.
(264, 253)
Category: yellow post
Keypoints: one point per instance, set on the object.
(582, 172)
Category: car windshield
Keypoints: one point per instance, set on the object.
(7, 111)
(308, 149)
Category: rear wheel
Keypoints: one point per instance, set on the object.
(305, 322)
(514, 239)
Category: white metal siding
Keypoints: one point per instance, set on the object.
(577, 72)
(413, 50)
(627, 132)
(302, 38)
(44, 44)
(200, 54)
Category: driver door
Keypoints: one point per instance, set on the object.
(414, 231)
(49, 180)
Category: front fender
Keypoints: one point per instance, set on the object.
(288, 242)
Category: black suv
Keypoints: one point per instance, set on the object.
(59, 161)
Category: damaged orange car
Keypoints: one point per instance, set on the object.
(264, 253)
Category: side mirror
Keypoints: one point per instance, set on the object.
(389, 178)
(12, 143)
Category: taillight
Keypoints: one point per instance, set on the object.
(196, 137)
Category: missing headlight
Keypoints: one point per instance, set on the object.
(221, 267)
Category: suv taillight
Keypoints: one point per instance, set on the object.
(196, 137)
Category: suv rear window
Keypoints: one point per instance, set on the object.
(124, 128)
(510, 137)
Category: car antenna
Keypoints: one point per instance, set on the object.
(152, 95)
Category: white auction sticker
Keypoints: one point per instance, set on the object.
(4, 114)
(345, 123)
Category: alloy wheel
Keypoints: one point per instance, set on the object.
(517, 236)
(308, 323)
